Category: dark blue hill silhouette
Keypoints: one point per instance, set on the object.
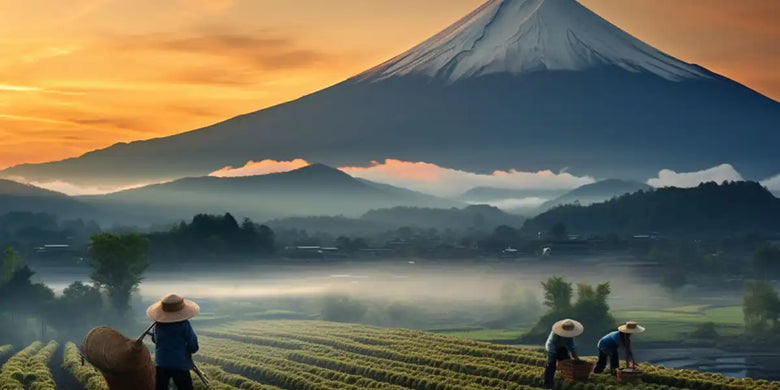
(707, 210)
(18, 197)
(595, 192)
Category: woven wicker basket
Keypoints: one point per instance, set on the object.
(629, 375)
(574, 370)
(126, 364)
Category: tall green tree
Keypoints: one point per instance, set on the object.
(592, 309)
(76, 311)
(761, 306)
(11, 262)
(118, 264)
(557, 294)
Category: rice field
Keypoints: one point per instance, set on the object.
(298, 355)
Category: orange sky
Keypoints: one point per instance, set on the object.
(81, 74)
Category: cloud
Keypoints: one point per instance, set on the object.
(17, 88)
(670, 178)
(433, 179)
(256, 49)
(29, 89)
(206, 75)
(425, 177)
(772, 184)
(531, 203)
(262, 167)
(78, 190)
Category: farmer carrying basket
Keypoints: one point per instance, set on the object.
(175, 341)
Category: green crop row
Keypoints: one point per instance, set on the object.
(301, 355)
(262, 364)
(221, 380)
(399, 339)
(414, 359)
(28, 369)
(422, 355)
(5, 350)
(81, 370)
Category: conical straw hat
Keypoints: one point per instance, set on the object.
(568, 328)
(631, 327)
(172, 308)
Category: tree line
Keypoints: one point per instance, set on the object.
(209, 236)
(30, 310)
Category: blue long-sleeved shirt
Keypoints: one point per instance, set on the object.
(611, 342)
(174, 344)
(555, 342)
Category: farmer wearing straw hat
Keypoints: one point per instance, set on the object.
(174, 340)
(560, 345)
(610, 344)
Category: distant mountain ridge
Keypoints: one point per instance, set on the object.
(14, 188)
(596, 192)
(20, 197)
(480, 218)
(313, 190)
(709, 209)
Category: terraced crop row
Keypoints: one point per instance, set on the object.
(28, 368)
(5, 350)
(407, 359)
(84, 373)
(304, 355)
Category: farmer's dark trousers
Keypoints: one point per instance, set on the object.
(552, 364)
(181, 379)
(614, 361)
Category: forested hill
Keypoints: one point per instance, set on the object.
(709, 209)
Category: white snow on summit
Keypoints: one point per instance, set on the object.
(521, 36)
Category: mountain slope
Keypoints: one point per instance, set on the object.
(524, 84)
(313, 190)
(709, 209)
(13, 188)
(596, 192)
(16, 196)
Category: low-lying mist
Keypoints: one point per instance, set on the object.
(435, 286)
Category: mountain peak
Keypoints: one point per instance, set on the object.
(318, 169)
(522, 36)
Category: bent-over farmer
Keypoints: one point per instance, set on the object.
(610, 344)
(560, 345)
(174, 340)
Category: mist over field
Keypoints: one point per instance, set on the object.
(469, 282)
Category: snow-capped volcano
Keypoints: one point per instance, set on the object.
(524, 84)
(520, 36)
